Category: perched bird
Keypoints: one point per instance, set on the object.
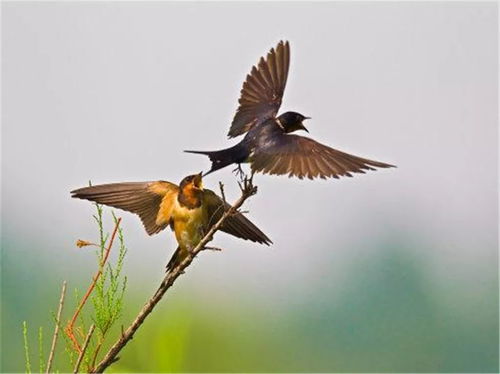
(268, 145)
(189, 210)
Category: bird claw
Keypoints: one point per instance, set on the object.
(238, 171)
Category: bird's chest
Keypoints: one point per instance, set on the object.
(189, 225)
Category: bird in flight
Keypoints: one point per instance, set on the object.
(189, 209)
(268, 144)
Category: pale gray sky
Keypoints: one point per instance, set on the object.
(115, 91)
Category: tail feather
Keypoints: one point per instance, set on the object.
(220, 159)
(178, 256)
(200, 152)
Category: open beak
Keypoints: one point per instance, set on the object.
(302, 125)
(197, 181)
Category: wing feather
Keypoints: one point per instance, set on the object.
(151, 201)
(237, 225)
(262, 91)
(303, 157)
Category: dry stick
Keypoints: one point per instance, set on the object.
(111, 356)
(99, 346)
(69, 327)
(96, 352)
(56, 329)
(223, 194)
(85, 345)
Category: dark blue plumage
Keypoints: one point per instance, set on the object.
(268, 144)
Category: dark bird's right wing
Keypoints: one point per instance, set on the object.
(262, 91)
(237, 224)
(151, 201)
(303, 157)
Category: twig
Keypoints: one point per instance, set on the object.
(223, 194)
(84, 348)
(213, 248)
(56, 329)
(69, 327)
(96, 352)
(168, 281)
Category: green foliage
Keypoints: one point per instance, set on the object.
(27, 351)
(107, 299)
(27, 360)
(108, 293)
(41, 362)
(110, 288)
(26, 348)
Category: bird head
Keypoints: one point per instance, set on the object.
(192, 183)
(292, 121)
(191, 191)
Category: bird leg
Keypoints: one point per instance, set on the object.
(246, 185)
(238, 171)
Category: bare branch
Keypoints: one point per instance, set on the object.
(56, 329)
(84, 348)
(222, 193)
(170, 278)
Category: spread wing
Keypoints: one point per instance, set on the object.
(262, 91)
(303, 157)
(151, 201)
(237, 225)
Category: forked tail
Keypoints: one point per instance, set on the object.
(224, 157)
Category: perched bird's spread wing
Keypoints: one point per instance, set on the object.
(237, 225)
(152, 201)
(303, 157)
(262, 91)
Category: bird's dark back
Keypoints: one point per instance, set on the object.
(263, 133)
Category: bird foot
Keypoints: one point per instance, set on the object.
(246, 185)
(238, 171)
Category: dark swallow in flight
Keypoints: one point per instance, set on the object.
(268, 145)
(189, 209)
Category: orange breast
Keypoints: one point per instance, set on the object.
(189, 225)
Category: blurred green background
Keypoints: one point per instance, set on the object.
(390, 316)
(393, 271)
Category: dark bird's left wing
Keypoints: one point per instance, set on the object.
(237, 225)
(303, 157)
(262, 91)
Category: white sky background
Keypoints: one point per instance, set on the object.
(115, 91)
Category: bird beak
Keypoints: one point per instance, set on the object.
(197, 181)
(303, 127)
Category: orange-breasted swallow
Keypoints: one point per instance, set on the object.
(268, 145)
(189, 210)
